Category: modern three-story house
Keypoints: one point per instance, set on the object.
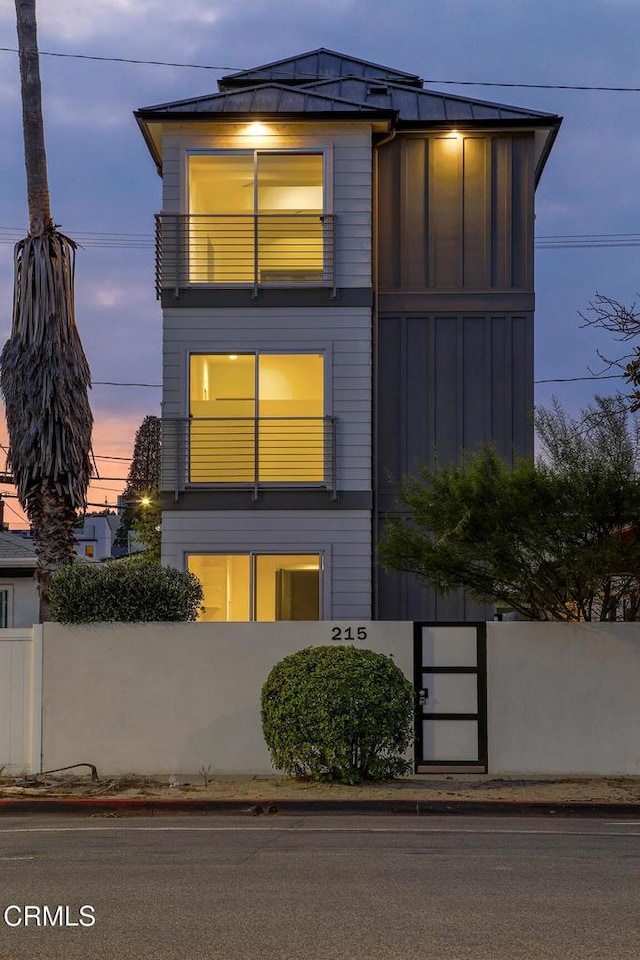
(345, 264)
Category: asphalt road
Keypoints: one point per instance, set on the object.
(193, 888)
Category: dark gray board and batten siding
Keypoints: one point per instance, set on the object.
(455, 215)
(455, 326)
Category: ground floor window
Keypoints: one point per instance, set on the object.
(259, 586)
(5, 603)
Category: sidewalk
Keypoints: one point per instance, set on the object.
(424, 795)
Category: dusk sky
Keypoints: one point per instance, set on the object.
(104, 188)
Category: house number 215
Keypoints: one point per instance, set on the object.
(348, 633)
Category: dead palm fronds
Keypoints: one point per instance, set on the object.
(44, 374)
(44, 377)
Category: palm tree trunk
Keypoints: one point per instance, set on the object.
(32, 125)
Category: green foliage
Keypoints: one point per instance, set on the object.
(129, 590)
(147, 525)
(339, 714)
(553, 540)
(143, 481)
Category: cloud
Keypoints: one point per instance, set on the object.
(80, 20)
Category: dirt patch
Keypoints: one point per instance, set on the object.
(443, 787)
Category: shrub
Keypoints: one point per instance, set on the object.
(338, 713)
(129, 590)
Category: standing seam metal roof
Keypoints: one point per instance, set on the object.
(373, 89)
(266, 98)
(421, 105)
(316, 64)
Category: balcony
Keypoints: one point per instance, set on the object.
(248, 453)
(244, 250)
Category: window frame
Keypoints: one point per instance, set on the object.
(324, 351)
(7, 588)
(321, 150)
(253, 555)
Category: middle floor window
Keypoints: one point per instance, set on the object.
(257, 417)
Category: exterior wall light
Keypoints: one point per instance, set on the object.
(256, 129)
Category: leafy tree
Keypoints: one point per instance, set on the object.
(44, 374)
(147, 525)
(338, 713)
(130, 590)
(142, 492)
(553, 540)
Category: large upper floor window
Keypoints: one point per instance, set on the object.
(263, 587)
(256, 217)
(257, 418)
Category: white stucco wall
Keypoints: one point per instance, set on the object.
(563, 698)
(171, 698)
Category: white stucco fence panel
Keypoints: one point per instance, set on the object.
(172, 698)
(563, 698)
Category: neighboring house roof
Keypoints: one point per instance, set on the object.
(316, 64)
(16, 551)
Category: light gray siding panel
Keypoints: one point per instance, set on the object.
(343, 335)
(348, 149)
(345, 539)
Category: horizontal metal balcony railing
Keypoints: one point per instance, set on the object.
(240, 452)
(254, 250)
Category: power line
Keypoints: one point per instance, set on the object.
(537, 86)
(104, 506)
(314, 76)
(150, 63)
(9, 507)
(145, 241)
(98, 457)
(608, 376)
(123, 383)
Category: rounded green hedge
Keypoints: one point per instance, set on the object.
(338, 713)
(129, 590)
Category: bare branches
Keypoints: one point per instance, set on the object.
(623, 321)
(606, 313)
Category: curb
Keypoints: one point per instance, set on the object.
(143, 806)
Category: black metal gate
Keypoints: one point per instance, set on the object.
(450, 676)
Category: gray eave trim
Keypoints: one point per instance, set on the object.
(457, 301)
(210, 499)
(268, 297)
(23, 563)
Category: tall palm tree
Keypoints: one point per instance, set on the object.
(44, 374)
